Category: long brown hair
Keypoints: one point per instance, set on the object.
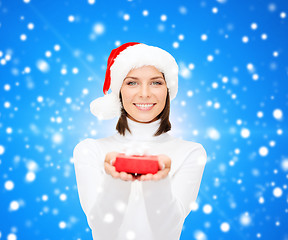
(165, 124)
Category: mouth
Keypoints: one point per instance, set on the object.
(144, 106)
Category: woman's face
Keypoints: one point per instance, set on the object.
(144, 93)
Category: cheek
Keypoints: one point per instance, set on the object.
(126, 96)
(163, 96)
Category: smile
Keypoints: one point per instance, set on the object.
(144, 107)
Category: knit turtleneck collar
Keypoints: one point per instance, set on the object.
(142, 131)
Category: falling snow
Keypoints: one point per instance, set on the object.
(232, 98)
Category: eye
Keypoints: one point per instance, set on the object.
(131, 83)
(157, 83)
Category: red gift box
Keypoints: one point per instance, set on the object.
(136, 164)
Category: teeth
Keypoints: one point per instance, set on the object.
(144, 105)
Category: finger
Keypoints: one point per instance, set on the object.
(112, 160)
(123, 176)
(115, 174)
(108, 168)
(111, 170)
(130, 177)
(165, 174)
(165, 171)
(141, 178)
(126, 176)
(155, 177)
(149, 176)
(158, 176)
(146, 177)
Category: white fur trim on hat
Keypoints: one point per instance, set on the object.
(139, 55)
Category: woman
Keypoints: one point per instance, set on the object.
(119, 205)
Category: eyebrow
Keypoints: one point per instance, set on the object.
(150, 78)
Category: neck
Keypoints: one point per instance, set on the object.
(142, 131)
(153, 120)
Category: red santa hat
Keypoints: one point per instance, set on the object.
(129, 56)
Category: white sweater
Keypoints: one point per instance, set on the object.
(140, 210)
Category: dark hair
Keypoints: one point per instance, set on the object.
(165, 124)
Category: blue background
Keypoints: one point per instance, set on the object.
(234, 105)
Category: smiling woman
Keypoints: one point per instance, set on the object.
(126, 205)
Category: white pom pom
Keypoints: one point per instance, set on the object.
(106, 107)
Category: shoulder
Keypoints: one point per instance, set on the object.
(85, 144)
(197, 153)
(193, 145)
(91, 147)
(86, 150)
(91, 143)
(185, 143)
(192, 150)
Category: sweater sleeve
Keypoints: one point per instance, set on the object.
(103, 198)
(168, 200)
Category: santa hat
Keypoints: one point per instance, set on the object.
(129, 56)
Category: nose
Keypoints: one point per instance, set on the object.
(145, 91)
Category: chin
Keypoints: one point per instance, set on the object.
(144, 120)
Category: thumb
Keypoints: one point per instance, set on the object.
(161, 165)
(112, 161)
